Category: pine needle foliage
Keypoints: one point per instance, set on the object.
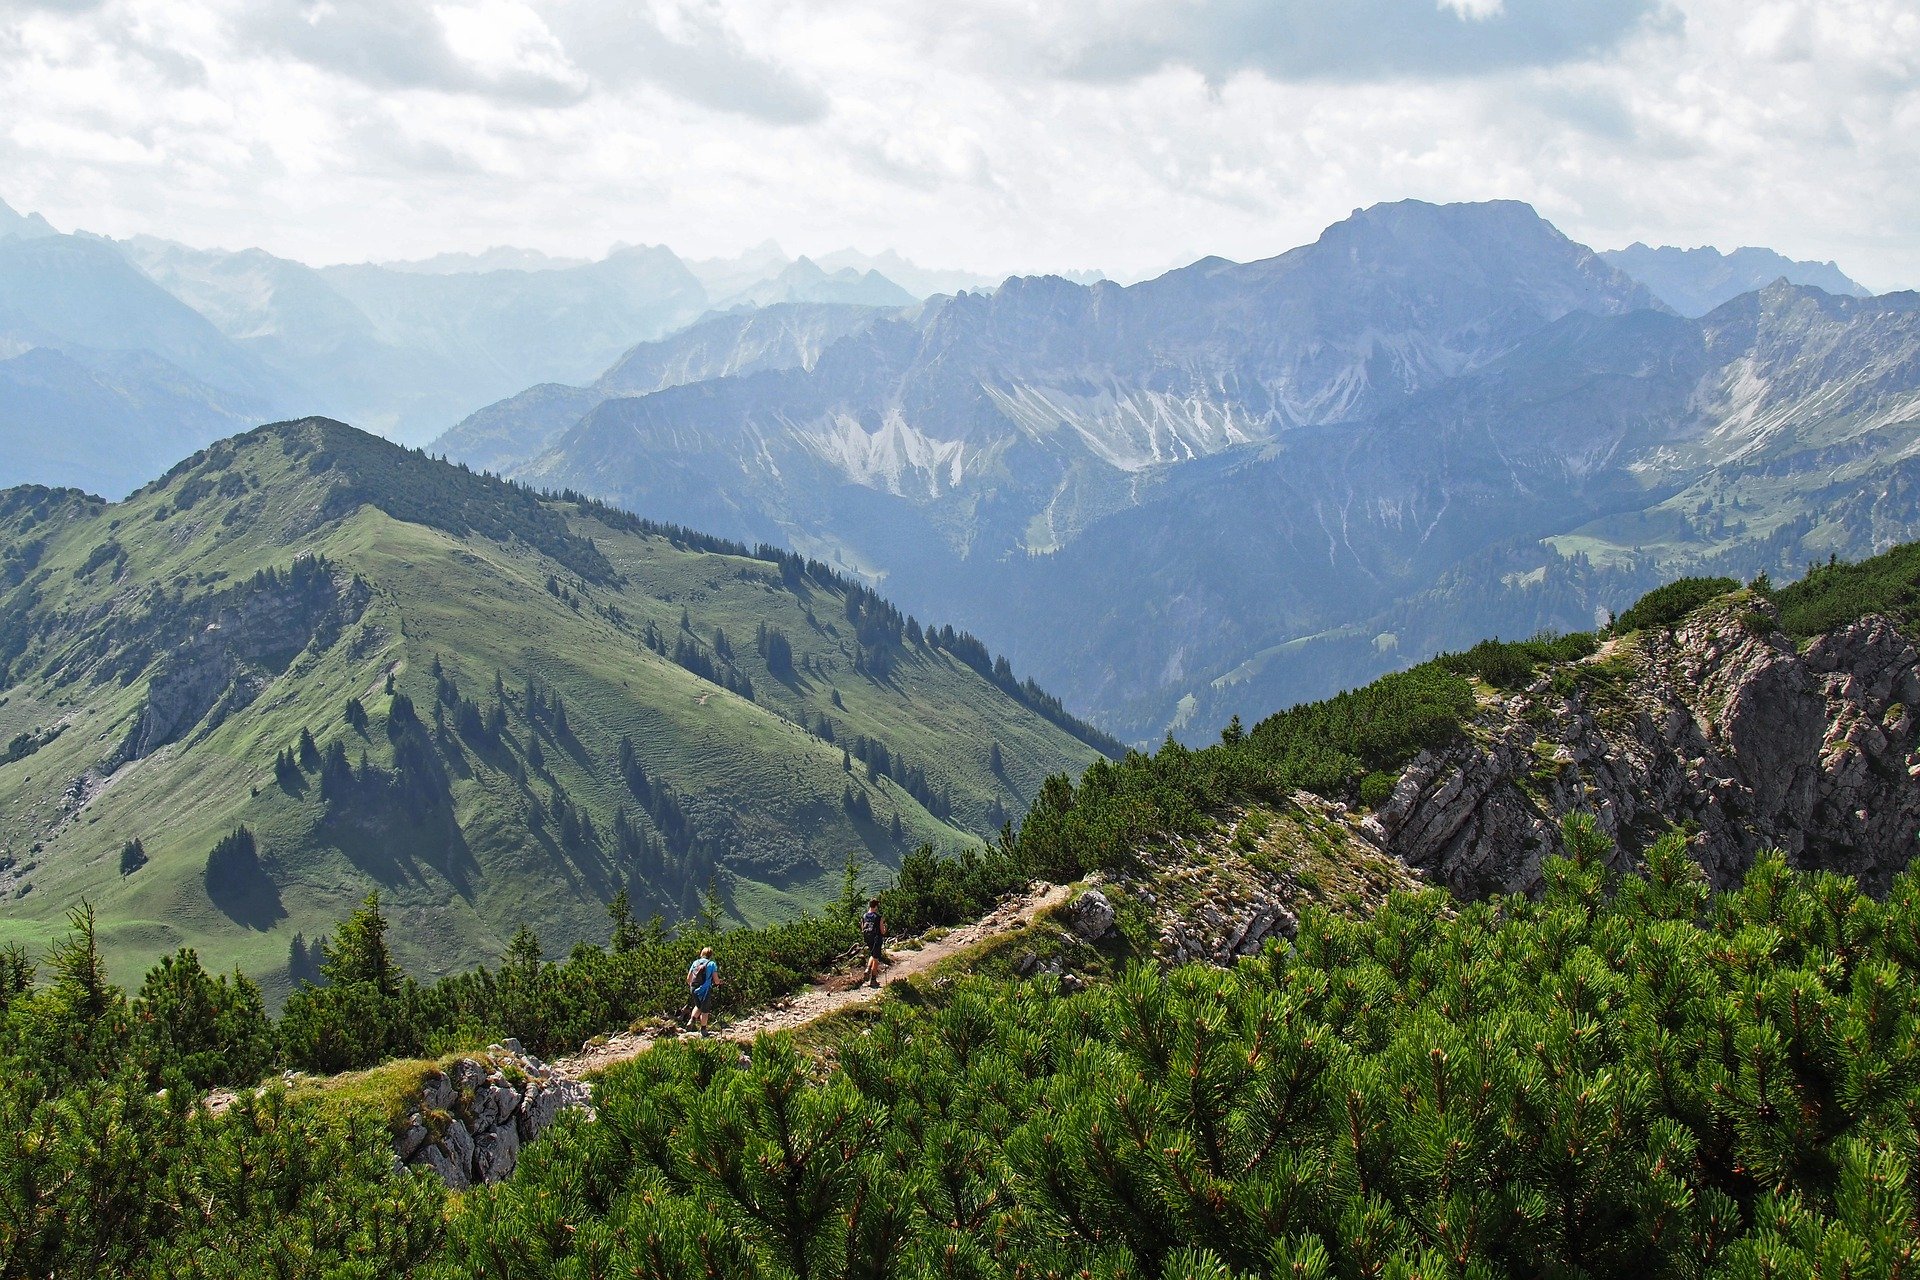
(1629, 1076)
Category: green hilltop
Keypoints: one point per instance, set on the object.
(496, 707)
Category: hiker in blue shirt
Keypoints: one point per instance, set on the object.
(703, 975)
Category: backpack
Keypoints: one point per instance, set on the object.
(870, 923)
(699, 980)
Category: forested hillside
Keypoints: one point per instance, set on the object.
(307, 663)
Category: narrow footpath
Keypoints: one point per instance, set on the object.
(841, 991)
(833, 994)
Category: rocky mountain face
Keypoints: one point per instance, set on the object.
(1241, 486)
(788, 335)
(1695, 281)
(1285, 449)
(1006, 424)
(1721, 725)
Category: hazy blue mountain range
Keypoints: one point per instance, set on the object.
(167, 347)
(731, 277)
(505, 435)
(115, 412)
(1695, 281)
(408, 352)
(14, 224)
(500, 257)
(803, 280)
(105, 376)
(1242, 484)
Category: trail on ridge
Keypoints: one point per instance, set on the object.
(841, 991)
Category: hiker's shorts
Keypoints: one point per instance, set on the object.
(875, 944)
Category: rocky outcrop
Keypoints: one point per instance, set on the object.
(1220, 897)
(246, 639)
(474, 1117)
(1721, 726)
(1090, 915)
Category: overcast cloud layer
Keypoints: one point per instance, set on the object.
(996, 134)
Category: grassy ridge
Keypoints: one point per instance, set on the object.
(495, 809)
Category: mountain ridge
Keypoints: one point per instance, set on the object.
(1373, 465)
(985, 434)
(1695, 281)
(496, 707)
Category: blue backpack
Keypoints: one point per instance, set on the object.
(870, 924)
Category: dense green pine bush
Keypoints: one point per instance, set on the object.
(1627, 1077)
(1510, 664)
(1834, 594)
(1664, 606)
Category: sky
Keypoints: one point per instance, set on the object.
(995, 135)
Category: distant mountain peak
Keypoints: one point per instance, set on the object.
(1696, 281)
(23, 226)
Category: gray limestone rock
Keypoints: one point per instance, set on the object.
(1716, 724)
(496, 1153)
(1091, 915)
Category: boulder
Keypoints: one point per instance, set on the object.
(494, 1105)
(411, 1139)
(452, 1157)
(1091, 916)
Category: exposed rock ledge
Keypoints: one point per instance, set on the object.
(473, 1117)
(1722, 726)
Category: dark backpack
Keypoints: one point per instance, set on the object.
(870, 924)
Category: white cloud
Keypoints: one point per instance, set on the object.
(1001, 134)
(1475, 10)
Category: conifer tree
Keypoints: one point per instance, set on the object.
(628, 933)
(358, 952)
(523, 951)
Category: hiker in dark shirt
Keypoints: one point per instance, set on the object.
(873, 931)
(703, 975)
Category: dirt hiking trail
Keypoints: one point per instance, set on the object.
(837, 992)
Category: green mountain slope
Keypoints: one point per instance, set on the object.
(517, 707)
